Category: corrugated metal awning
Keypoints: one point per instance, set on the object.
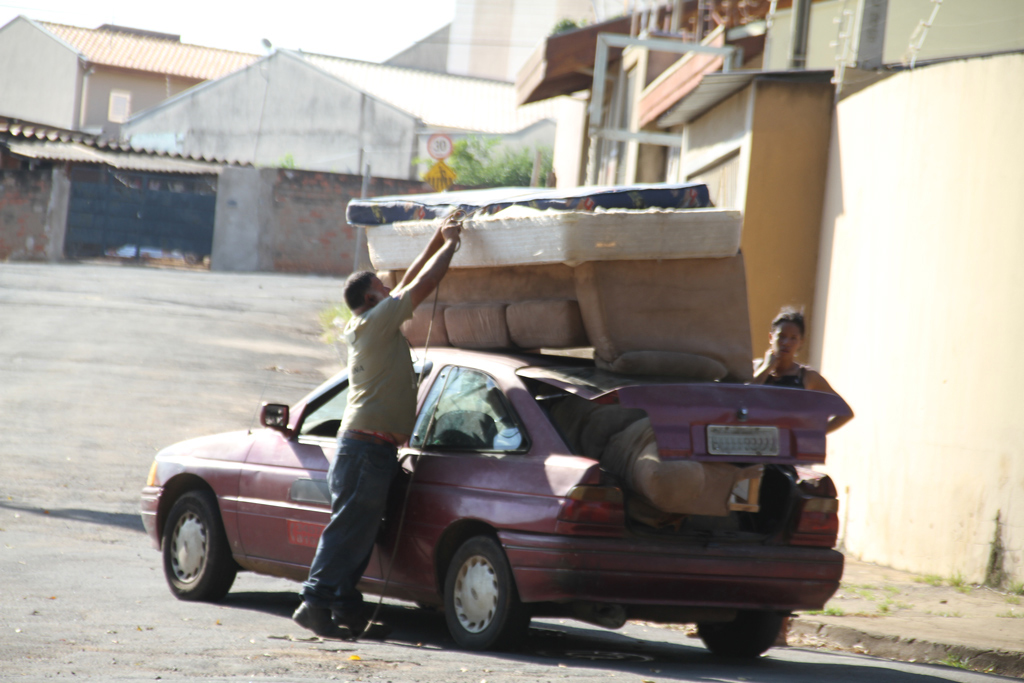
(127, 161)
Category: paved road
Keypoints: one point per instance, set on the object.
(99, 368)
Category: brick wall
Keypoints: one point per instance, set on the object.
(311, 234)
(24, 198)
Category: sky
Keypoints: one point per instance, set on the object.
(371, 30)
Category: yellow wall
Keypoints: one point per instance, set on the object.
(785, 185)
(923, 278)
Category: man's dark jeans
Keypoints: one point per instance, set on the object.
(359, 479)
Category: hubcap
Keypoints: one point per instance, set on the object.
(476, 594)
(188, 548)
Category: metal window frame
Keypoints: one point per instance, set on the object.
(732, 58)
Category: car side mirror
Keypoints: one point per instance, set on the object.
(274, 416)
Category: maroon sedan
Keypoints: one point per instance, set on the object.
(498, 516)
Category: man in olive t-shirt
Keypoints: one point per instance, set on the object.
(378, 418)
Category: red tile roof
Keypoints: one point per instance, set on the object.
(145, 51)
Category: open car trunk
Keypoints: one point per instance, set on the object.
(712, 460)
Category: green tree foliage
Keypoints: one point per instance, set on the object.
(567, 24)
(485, 162)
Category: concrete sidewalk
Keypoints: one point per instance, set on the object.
(901, 616)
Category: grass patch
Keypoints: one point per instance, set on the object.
(889, 605)
(1017, 587)
(949, 615)
(830, 611)
(1013, 599)
(332, 322)
(930, 579)
(1011, 615)
(891, 590)
(959, 583)
(956, 662)
(862, 593)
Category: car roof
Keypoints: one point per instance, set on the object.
(511, 359)
(574, 374)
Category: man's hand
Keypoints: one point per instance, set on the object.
(451, 228)
(771, 362)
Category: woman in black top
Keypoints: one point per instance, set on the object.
(780, 368)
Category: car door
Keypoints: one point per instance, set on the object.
(284, 502)
(466, 440)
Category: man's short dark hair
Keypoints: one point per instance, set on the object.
(356, 286)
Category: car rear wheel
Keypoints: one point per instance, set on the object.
(481, 603)
(197, 561)
(749, 635)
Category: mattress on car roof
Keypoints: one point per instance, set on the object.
(521, 235)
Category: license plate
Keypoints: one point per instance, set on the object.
(723, 440)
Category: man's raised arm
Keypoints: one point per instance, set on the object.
(425, 274)
(436, 242)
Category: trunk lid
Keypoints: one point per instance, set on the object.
(737, 423)
(710, 421)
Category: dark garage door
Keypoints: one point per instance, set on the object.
(127, 213)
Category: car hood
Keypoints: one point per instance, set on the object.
(230, 446)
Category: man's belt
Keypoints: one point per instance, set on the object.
(369, 437)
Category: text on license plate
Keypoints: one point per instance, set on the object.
(723, 440)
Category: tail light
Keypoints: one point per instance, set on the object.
(818, 523)
(595, 510)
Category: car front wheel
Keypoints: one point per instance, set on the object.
(749, 635)
(197, 561)
(481, 603)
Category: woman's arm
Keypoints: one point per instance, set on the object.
(815, 382)
(766, 368)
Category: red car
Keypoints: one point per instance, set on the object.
(497, 518)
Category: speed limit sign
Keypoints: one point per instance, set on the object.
(439, 146)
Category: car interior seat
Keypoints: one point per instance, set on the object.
(464, 429)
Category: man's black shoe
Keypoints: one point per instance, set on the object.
(359, 627)
(318, 620)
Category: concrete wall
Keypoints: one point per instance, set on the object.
(569, 151)
(289, 221)
(33, 213)
(960, 28)
(146, 90)
(921, 280)
(266, 114)
(40, 79)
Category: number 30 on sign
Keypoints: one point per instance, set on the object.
(439, 146)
